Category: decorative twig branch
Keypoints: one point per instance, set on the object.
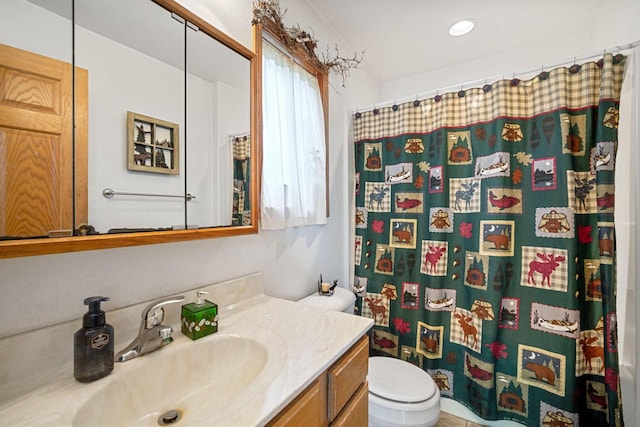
(268, 12)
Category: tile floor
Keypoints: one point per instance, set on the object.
(448, 420)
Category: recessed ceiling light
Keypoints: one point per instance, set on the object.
(461, 27)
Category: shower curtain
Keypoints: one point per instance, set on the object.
(485, 244)
(241, 209)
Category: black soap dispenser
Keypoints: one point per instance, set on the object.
(93, 344)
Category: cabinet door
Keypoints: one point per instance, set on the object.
(347, 375)
(309, 409)
(356, 413)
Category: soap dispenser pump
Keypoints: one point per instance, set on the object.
(199, 318)
(93, 344)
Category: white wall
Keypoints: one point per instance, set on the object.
(120, 81)
(44, 290)
(53, 38)
(201, 109)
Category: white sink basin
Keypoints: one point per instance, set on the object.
(206, 376)
(266, 351)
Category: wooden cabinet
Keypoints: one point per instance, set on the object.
(346, 376)
(338, 397)
(309, 409)
(356, 411)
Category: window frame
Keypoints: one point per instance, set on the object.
(267, 31)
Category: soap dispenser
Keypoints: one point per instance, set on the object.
(199, 318)
(93, 344)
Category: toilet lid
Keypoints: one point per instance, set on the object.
(339, 301)
(395, 379)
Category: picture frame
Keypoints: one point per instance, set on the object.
(496, 238)
(429, 340)
(540, 368)
(402, 233)
(153, 145)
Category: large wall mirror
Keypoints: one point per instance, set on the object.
(122, 123)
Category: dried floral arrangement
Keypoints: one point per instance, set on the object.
(269, 14)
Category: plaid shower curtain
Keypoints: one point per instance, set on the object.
(485, 242)
(241, 210)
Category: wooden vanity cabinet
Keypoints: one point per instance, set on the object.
(345, 379)
(337, 398)
(308, 409)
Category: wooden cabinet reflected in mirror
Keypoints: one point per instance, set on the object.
(154, 58)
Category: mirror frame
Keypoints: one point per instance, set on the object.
(57, 245)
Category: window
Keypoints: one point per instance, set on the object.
(294, 162)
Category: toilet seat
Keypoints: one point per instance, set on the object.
(399, 381)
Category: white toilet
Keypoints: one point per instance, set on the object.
(400, 393)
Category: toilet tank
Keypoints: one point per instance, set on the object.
(341, 300)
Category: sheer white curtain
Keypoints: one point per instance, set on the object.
(293, 165)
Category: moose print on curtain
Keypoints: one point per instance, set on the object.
(485, 243)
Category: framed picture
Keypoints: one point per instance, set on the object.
(153, 145)
(402, 233)
(496, 238)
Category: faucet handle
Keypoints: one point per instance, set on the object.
(153, 314)
(166, 335)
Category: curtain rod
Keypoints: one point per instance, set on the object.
(277, 45)
(473, 83)
(239, 135)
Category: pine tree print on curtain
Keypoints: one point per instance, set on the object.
(485, 242)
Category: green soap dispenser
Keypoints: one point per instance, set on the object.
(199, 318)
(93, 344)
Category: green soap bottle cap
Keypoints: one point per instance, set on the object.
(200, 300)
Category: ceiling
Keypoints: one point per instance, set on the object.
(402, 38)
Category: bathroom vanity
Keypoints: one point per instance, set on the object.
(338, 397)
(272, 362)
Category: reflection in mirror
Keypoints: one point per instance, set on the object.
(134, 54)
(36, 150)
(130, 62)
(218, 101)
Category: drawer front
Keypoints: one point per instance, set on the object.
(356, 413)
(307, 410)
(347, 375)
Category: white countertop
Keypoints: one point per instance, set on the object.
(301, 343)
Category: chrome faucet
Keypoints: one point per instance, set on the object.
(152, 334)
